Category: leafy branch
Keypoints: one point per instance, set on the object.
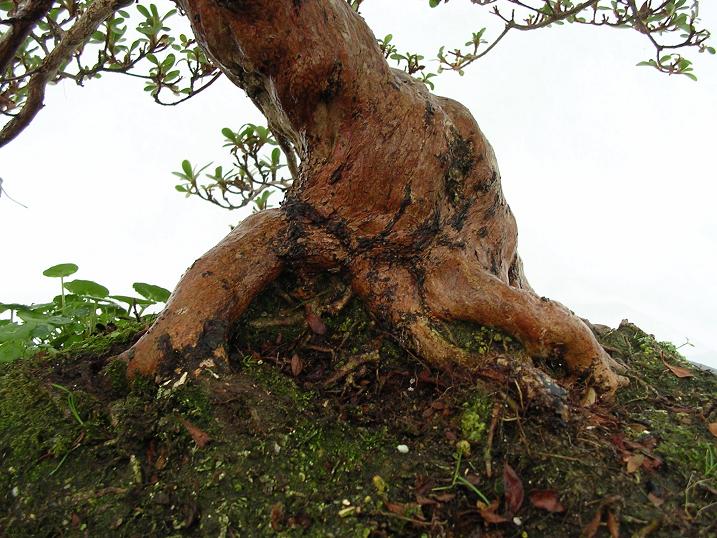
(669, 25)
(259, 160)
(81, 40)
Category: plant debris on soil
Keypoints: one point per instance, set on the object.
(322, 425)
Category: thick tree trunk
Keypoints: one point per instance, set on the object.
(399, 190)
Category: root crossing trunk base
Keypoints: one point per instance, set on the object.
(399, 191)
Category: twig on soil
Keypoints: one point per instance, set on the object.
(634, 400)
(705, 508)
(591, 529)
(407, 351)
(339, 304)
(417, 522)
(297, 318)
(560, 457)
(320, 349)
(520, 394)
(648, 529)
(488, 450)
(351, 364)
(77, 444)
(347, 335)
(281, 321)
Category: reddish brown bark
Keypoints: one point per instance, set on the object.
(398, 189)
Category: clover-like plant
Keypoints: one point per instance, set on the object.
(82, 308)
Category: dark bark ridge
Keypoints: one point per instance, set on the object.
(398, 190)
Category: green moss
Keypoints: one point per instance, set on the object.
(116, 374)
(680, 448)
(278, 384)
(29, 420)
(101, 344)
(192, 402)
(475, 417)
(287, 457)
(477, 338)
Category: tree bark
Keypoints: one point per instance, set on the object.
(398, 189)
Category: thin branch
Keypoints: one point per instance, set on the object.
(73, 38)
(289, 153)
(192, 94)
(21, 26)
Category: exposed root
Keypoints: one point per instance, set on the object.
(457, 289)
(212, 295)
(399, 191)
(351, 364)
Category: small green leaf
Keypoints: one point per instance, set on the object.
(12, 350)
(131, 300)
(12, 306)
(168, 62)
(187, 168)
(61, 270)
(86, 287)
(152, 292)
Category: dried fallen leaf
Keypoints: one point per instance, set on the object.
(277, 516)
(613, 525)
(422, 485)
(150, 453)
(444, 497)
(590, 397)
(161, 462)
(408, 509)
(679, 371)
(655, 500)
(634, 462)
(546, 499)
(200, 436)
(619, 441)
(488, 513)
(513, 488)
(296, 365)
(298, 521)
(712, 426)
(591, 528)
(315, 324)
(396, 508)
(651, 463)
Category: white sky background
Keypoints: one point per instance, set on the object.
(609, 168)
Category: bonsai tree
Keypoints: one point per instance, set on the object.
(392, 188)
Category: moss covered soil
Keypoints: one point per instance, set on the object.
(321, 425)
